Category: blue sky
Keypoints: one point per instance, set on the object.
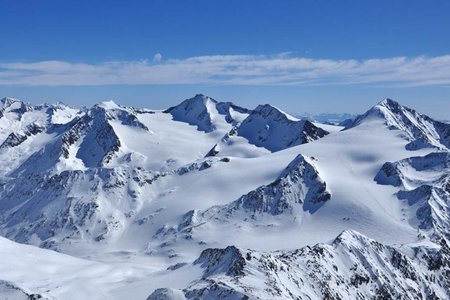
(315, 56)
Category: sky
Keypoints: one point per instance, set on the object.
(302, 56)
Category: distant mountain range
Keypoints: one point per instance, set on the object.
(327, 118)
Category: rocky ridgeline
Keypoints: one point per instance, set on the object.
(351, 267)
(268, 127)
(298, 190)
(419, 129)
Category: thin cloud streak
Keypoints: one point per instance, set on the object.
(281, 69)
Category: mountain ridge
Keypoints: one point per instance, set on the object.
(421, 130)
(210, 199)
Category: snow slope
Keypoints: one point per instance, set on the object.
(268, 129)
(425, 186)
(136, 197)
(421, 130)
(350, 267)
(275, 130)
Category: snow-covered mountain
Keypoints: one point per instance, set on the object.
(350, 267)
(275, 130)
(269, 129)
(421, 130)
(425, 186)
(210, 200)
(206, 113)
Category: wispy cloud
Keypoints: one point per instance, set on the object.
(281, 69)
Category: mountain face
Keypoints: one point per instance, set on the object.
(17, 138)
(352, 266)
(274, 130)
(295, 194)
(268, 128)
(206, 113)
(210, 200)
(198, 111)
(19, 120)
(420, 130)
(425, 186)
(299, 183)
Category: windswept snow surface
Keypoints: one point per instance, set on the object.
(167, 204)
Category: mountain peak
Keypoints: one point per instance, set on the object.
(196, 111)
(306, 188)
(267, 110)
(388, 104)
(349, 236)
(8, 101)
(197, 102)
(198, 99)
(420, 130)
(273, 129)
(202, 96)
(110, 104)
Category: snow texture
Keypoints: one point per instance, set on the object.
(210, 200)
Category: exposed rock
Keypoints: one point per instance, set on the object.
(420, 130)
(268, 127)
